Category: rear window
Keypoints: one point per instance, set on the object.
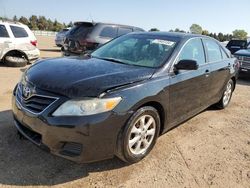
(240, 43)
(123, 31)
(3, 32)
(81, 30)
(109, 32)
(18, 32)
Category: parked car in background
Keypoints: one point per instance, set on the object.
(120, 98)
(244, 58)
(18, 45)
(235, 45)
(60, 36)
(87, 36)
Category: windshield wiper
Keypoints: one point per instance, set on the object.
(110, 59)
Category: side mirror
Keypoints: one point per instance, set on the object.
(186, 65)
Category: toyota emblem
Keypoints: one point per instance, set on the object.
(26, 92)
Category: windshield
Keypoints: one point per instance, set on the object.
(139, 50)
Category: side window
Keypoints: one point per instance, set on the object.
(224, 54)
(123, 31)
(109, 32)
(193, 50)
(18, 32)
(3, 32)
(213, 50)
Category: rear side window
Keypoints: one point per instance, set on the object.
(123, 31)
(81, 30)
(213, 50)
(18, 32)
(193, 50)
(109, 32)
(3, 32)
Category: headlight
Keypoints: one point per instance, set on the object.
(87, 106)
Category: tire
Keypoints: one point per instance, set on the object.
(227, 95)
(12, 61)
(141, 138)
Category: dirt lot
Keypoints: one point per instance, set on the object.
(210, 150)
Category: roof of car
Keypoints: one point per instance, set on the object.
(172, 34)
(3, 21)
(103, 23)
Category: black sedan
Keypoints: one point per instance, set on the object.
(120, 98)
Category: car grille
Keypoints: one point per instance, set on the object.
(244, 61)
(36, 103)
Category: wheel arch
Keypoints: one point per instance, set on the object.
(234, 81)
(158, 106)
(16, 52)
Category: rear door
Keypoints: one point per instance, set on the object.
(21, 39)
(220, 65)
(189, 89)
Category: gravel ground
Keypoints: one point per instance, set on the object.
(210, 150)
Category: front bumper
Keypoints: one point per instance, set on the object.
(80, 139)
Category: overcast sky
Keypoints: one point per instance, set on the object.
(213, 15)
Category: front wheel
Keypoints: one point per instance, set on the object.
(139, 136)
(227, 95)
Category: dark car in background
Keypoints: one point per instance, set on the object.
(244, 58)
(235, 45)
(87, 36)
(119, 99)
(60, 37)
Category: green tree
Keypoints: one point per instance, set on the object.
(15, 18)
(24, 20)
(33, 22)
(42, 23)
(154, 29)
(240, 34)
(221, 37)
(70, 24)
(196, 29)
(50, 25)
(205, 32)
(57, 26)
(179, 30)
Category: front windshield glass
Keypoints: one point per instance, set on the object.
(140, 50)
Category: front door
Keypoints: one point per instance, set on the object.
(4, 40)
(189, 89)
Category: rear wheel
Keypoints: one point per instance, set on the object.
(139, 136)
(15, 61)
(227, 95)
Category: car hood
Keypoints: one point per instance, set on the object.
(81, 77)
(245, 52)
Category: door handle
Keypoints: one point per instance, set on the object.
(7, 42)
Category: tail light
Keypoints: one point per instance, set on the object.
(33, 42)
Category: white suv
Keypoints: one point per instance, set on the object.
(18, 45)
